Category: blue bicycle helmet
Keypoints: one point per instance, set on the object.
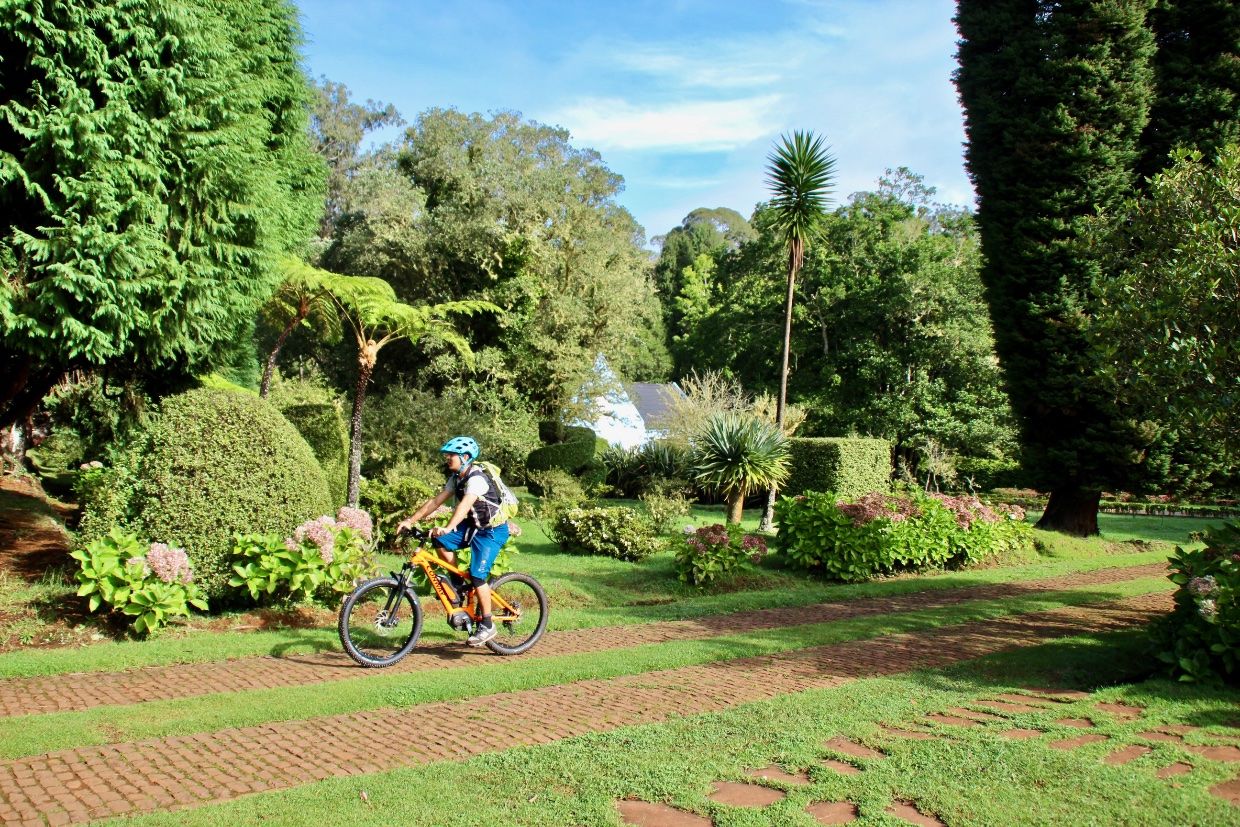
(462, 445)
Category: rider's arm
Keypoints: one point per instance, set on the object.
(461, 512)
(424, 509)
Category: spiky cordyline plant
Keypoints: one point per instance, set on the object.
(735, 454)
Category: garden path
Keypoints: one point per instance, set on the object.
(77, 785)
(60, 693)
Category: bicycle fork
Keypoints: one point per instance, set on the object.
(388, 618)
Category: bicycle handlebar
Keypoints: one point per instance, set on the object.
(415, 532)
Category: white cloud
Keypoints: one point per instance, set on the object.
(698, 126)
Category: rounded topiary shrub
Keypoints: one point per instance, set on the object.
(213, 463)
(610, 532)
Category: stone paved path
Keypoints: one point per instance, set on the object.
(59, 693)
(92, 782)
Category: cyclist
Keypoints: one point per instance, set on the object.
(477, 503)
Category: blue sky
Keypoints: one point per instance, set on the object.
(683, 98)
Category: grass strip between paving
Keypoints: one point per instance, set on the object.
(36, 734)
(203, 646)
(971, 776)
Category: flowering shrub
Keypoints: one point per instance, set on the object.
(612, 532)
(149, 583)
(715, 551)
(882, 533)
(1200, 640)
(323, 556)
(665, 505)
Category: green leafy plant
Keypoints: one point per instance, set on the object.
(150, 583)
(665, 504)
(324, 556)
(394, 497)
(1200, 640)
(883, 533)
(611, 532)
(715, 551)
(735, 454)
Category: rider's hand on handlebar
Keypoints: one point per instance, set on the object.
(439, 531)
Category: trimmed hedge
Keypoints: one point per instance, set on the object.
(573, 455)
(210, 464)
(848, 466)
(322, 426)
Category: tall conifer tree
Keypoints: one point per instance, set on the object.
(1056, 95)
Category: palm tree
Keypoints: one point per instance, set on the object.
(301, 298)
(377, 319)
(800, 173)
(738, 453)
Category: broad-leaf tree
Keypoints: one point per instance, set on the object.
(154, 163)
(800, 174)
(377, 319)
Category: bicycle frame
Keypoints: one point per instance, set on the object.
(501, 610)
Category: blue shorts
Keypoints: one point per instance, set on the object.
(484, 546)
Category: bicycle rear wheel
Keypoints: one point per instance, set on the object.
(379, 622)
(520, 629)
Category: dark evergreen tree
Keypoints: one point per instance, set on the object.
(154, 160)
(1196, 79)
(1056, 95)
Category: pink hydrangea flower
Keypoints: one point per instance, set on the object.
(319, 532)
(357, 520)
(169, 564)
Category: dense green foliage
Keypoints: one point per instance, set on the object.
(325, 557)
(890, 337)
(884, 533)
(573, 455)
(316, 415)
(150, 584)
(621, 533)
(1167, 327)
(848, 466)
(211, 464)
(1200, 640)
(1197, 75)
(507, 210)
(153, 161)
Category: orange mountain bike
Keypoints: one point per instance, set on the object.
(381, 620)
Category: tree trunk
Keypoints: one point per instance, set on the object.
(365, 368)
(795, 256)
(1072, 510)
(736, 509)
(265, 387)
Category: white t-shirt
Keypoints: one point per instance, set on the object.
(476, 485)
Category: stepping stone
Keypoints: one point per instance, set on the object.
(1227, 753)
(1124, 711)
(973, 713)
(1179, 729)
(1127, 754)
(953, 720)
(833, 812)
(841, 767)
(1175, 769)
(1079, 723)
(737, 794)
(645, 814)
(774, 773)
(840, 744)
(1021, 733)
(1229, 791)
(1003, 706)
(898, 732)
(1164, 737)
(907, 811)
(1078, 741)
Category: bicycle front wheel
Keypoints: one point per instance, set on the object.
(520, 626)
(380, 622)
